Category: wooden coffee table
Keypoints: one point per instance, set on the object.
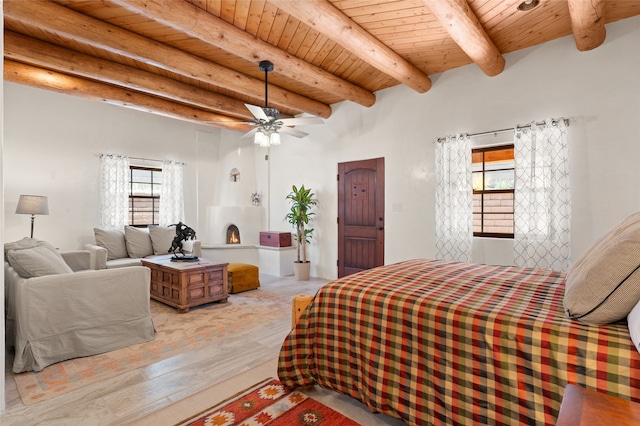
(184, 285)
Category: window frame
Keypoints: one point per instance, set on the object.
(155, 216)
(483, 191)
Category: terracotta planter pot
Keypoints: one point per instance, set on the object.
(301, 270)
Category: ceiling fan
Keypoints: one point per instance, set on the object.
(267, 119)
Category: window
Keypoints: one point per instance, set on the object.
(144, 196)
(493, 191)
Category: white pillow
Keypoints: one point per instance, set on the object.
(633, 322)
(138, 242)
(161, 238)
(113, 241)
(603, 286)
(37, 262)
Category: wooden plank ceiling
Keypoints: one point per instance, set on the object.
(197, 60)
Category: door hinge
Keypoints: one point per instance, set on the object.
(337, 220)
(338, 262)
(338, 177)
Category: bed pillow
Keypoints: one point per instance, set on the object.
(138, 242)
(633, 322)
(161, 238)
(37, 261)
(603, 286)
(112, 240)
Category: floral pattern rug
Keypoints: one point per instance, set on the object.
(269, 403)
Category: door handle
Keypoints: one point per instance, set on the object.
(380, 228)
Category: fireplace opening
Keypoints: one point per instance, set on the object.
(233, 235)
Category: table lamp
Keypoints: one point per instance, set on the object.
(33, 205)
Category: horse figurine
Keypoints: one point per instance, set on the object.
(183, 233)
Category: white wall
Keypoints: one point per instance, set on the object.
(599, 91)
(52, 142)
(52, 147)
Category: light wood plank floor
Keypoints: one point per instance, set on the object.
(133, 395)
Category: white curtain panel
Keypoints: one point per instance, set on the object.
(542, 207)
(114, 191)
(171, 194)
(454, 199)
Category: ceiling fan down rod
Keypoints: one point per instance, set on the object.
(266, 66)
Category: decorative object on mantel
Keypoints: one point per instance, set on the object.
(33, 205)
(302, 200)
(234, 175)
(256, 197)
(183, 233)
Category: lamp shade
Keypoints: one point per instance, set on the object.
(33, 204)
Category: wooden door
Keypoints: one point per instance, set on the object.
(360, 215)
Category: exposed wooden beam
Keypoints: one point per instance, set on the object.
(67, 24)
(51, 80)
(587, 23)
(35, 52)
(198, 23)
(457, 18)
(330, 21)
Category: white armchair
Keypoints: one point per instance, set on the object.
(56, 317)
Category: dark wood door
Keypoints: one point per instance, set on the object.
(360, 215)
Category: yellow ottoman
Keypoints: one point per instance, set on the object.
(242, 277)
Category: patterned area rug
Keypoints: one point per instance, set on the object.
(269, 403)
(176, 333)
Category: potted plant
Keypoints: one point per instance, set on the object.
(302, 200)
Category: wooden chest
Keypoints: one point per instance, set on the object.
(184, 285)
(275, 239)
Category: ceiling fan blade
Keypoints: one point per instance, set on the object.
(257, 112)
(293, 132)
(301, 120)
(250, 133)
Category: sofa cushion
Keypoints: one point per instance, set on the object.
(138, 242)
(26, 243)
(123, 263)
(603, 286)
(37, 261)
(112, 240)
(161, 238)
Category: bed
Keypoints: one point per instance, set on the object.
(434, 342)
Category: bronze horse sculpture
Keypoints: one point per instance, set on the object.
(183, 233)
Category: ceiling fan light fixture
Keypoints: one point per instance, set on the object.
(528, 5)
(274, 139)
(261, 139)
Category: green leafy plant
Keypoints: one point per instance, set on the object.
(302, 200)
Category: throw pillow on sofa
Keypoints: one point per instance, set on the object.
(138, 242)
(162, 238)
(37, 261)
(112, 240)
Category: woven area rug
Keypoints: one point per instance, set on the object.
(176, 333)
(269, 403)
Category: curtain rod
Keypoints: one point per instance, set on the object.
(145, 159)
(511, 129)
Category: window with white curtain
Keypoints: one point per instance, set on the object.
(140, 196)
(144, 196)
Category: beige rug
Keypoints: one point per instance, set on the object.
(176, 333)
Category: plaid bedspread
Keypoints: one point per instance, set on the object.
(449, 343)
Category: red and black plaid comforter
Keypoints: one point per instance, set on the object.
(450, 343)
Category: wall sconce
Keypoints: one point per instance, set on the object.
(234, 175)
(33, 205)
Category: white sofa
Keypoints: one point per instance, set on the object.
(117, 249)
(57, 308)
